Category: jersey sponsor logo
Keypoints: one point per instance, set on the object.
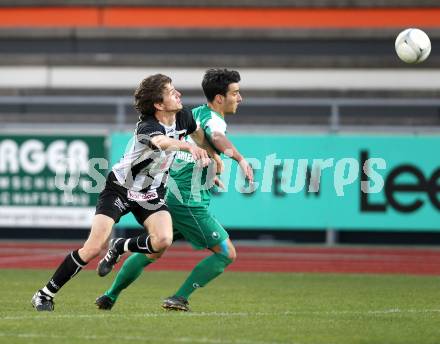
(196, 285)
(141, 196)
(185, 156)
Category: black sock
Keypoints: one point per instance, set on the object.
(141, 244)
(70, 266)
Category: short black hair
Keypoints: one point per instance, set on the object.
(216, 81)
(149, 92)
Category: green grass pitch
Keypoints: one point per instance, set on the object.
(241, 308)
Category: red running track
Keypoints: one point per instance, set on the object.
(416, 261)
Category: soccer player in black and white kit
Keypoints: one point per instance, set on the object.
(136, 184)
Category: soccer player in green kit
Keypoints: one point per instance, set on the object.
(188, 198)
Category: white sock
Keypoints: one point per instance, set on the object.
(48, 292)
(126, 245)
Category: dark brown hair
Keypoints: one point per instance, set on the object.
(217, 80)
(149, 92)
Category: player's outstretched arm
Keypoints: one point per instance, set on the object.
(224, 145)
(165, 143)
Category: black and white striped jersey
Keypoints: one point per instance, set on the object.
(144, 167)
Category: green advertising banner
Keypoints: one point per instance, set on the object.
(329, 181)
(50, 180)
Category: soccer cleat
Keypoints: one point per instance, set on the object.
(106, 264)
(42, 302)
(176, 303)
(104, 302)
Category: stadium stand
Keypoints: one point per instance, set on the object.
(285, 49)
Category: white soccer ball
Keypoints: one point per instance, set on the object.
(413, 46)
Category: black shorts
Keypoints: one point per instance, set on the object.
(116, 201)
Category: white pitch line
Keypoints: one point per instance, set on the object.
(220, 314)
(139, 338)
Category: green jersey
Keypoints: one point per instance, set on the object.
(187, 184)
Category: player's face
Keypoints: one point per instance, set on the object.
(232, 99)
(171, 99)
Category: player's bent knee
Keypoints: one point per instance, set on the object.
(162, 243)
(227, 250)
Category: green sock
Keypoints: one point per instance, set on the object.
(129, 272)
(203, 273)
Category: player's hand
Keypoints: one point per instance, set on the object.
(200, 155)
(247, 170)
(220, 166)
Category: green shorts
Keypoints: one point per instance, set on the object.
(199, 227)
